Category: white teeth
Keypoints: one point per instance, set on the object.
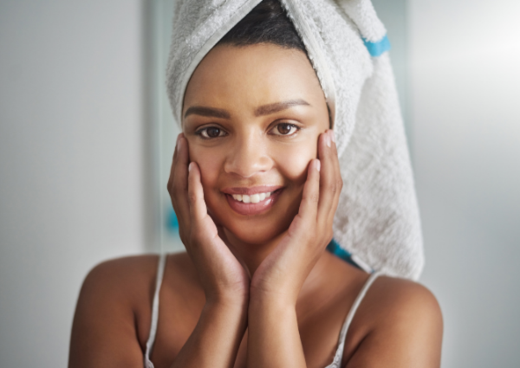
(254, 198)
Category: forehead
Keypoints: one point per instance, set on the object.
(249, 76)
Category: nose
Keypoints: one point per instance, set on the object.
(248, 156)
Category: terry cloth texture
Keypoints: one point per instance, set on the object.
(377, 219)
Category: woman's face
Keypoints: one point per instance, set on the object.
(252, 116)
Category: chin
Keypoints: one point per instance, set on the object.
(256, 230)
(255, 235)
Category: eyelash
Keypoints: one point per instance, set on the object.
(292, 126)
(203, 133)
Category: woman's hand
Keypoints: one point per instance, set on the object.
(215, 340)
(273, 335)
(222, 276)
(281, 275)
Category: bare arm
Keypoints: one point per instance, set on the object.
(215, 341)
(274, 338)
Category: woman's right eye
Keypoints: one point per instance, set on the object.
(211, 132)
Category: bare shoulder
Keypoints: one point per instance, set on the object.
(122, 283)
(400, 323)
(119, 274)
(126, 280)
(406, 300)
(113, 312)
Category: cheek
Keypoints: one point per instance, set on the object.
(209, 164)
(293, 160)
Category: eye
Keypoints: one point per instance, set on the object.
(285, 129)
(211, 132)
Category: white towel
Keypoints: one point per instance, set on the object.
(377, 220)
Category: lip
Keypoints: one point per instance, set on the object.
(252, 190)
(252, 209)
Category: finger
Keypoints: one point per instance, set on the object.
(178, 146)
(197, 205)
(178, 181)
(330, 177)
(310, 197)
(174, 162)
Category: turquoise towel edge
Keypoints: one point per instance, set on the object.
(334, 248)
(378, 48)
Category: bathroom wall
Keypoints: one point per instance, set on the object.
(81, 158)
(465, 116)
(71, 162)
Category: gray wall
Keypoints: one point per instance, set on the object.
(394, 15)
(71, 162)
(465, 99)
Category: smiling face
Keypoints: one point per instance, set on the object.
(252, 116)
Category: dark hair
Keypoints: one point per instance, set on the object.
(266, 23)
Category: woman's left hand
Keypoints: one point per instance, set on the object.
(282, 273)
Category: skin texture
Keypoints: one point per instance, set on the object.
(253, 290)
(252, 154)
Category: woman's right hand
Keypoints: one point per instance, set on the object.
(223, 277)
(216, 338)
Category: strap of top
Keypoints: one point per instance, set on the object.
(336, 363)
(155, 311)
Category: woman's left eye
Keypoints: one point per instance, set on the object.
(285, 129)
(211, 132)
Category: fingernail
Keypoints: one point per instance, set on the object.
(318, 165)
(333, 136)
(189, 166)
(327, 140)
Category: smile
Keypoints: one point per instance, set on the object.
(253, 201)
(254, 198)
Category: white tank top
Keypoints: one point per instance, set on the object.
(336, 362)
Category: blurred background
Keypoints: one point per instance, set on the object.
(86, 139)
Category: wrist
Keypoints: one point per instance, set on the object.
(227, 301)
(275, 301)
(269, 310)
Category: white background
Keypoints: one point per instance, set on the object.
(78, 155)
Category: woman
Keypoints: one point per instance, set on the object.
(255, 182)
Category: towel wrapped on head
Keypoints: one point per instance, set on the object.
(377, 220)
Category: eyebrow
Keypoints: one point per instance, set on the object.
(279, 106)
(260, 111)
(207, 111)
